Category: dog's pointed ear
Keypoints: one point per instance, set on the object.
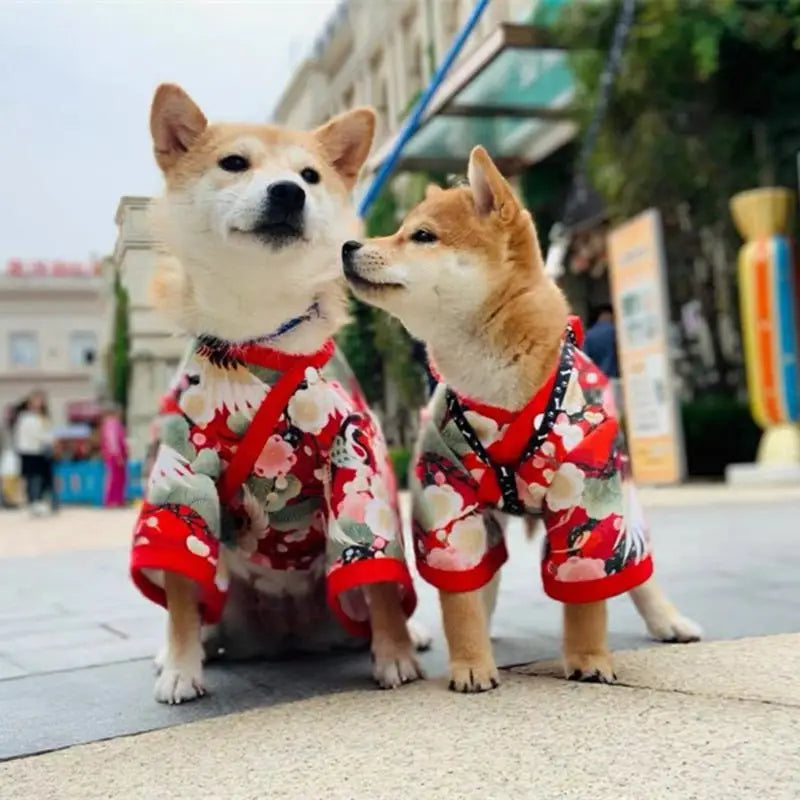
(433, 190)
(175, 123)
(345, 141)
(491, 191)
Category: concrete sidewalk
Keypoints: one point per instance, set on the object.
(704, 721)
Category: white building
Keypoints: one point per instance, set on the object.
(155, 349)
(54, 329)
(507, 90)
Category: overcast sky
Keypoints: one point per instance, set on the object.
(76, 80)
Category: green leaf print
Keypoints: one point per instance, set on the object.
(283, 492)
(294, 516)
(357, 532)
(175, 433)
(602, 497)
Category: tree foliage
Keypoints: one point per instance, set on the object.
(120, 346)
(705, 105)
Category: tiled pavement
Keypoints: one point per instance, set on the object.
(75, 638)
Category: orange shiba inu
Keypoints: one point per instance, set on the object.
(522, 423)
(270, 515)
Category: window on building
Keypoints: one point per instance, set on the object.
(23, 347)
(82, 348)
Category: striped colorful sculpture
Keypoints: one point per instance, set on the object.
(769, 295)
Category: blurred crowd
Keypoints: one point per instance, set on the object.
(31, 447)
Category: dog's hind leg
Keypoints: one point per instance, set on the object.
(663, 620)
(181, 664)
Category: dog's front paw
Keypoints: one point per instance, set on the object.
(420, 637)
(470, 677)
(179, 679)
(671, 626)
(589, 667)
(394, 665)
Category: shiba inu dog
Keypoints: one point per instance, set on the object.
(270, 515)
(522, 423)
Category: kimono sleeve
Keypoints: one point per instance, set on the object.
(365, 536)
(597, 544)
(178, 528)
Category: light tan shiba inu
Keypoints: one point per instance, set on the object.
(271, 507)
(521, 423)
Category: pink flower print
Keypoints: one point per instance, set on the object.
(576, 569)
(277, 458)
(608, 401)
(354, 506)
(445, 558)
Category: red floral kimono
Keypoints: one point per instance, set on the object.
(561, 457)
(278, 457)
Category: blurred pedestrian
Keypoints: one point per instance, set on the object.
(600, 344)
(114, 449)
(33, 438)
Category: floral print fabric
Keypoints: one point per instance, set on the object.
(577, 480)
(320, 499)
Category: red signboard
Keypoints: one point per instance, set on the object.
(60, 269)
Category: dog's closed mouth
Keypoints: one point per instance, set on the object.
(358, 281)
(274, 233)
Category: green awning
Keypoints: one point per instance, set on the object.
(512, 95)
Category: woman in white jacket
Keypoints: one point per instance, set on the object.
(33, 438)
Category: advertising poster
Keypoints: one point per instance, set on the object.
(638, 283)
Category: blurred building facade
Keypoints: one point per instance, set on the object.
(54, 329)
(155, 349)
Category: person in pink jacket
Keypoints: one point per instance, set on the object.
(115, 457)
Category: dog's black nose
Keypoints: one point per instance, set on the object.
(348, 248)
(287, 196)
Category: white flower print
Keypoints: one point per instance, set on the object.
(486, 429)
(311, 408)
(593, 417)
(566, 488)
(570, 434)
(380, 518)
(531, 494)
(468, 539)
(442, 503)
(197, 546)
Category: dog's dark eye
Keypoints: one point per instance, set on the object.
(234, 164)
(310, 175)
(422, 236)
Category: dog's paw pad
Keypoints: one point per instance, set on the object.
(472, 678)
(390, 672)
(420, 637)
(176, 685)
(675, 629)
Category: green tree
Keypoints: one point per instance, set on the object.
(119, 367)
(705, 105)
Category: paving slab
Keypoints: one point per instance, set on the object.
(764, 670)
(532, 738)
